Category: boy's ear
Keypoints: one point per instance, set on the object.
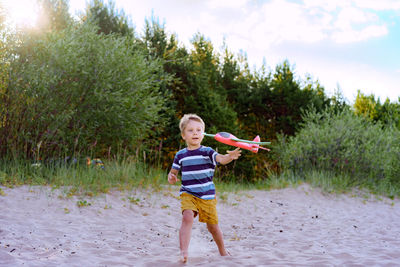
(183, 136)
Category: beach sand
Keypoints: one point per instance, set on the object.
(300, 226)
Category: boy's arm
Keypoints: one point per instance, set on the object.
(172, 176)
(232, 155)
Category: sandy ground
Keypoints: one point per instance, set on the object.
(289, 227)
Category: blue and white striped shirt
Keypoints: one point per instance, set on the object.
(197, 170)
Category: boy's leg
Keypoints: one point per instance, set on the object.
(185, 232)
(218, 238)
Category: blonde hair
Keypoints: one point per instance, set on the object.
(186, 118)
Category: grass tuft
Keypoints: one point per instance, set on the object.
(83, 180)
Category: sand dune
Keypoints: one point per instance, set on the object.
(288, 227)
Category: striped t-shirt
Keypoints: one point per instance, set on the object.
(197, 170)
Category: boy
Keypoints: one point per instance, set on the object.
(197, 164)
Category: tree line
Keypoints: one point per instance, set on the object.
(94, 87)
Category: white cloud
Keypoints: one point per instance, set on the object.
(316, 20)
(350, 35)
(226, 3)
(350, 15)
(327, 5)
(279, 21)
(330, 5)
(265, 23)
(355, 25)
(378, 5)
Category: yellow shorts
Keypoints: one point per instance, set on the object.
(206, 208)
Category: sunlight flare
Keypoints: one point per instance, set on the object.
(20, 13)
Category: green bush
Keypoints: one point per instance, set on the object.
(75, 90)
(343, 144)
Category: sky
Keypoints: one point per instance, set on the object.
(347, 45)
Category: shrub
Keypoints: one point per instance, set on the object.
(76, 90)
(343, 144)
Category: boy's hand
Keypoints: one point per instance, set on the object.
(235, 154)
(172, 178)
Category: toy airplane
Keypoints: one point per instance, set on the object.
(232, 140)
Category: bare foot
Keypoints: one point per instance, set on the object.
(184, 259)
(184, 255)
(226, 253)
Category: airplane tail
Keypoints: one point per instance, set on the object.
(255, 147)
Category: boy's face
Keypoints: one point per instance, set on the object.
(193, 134)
